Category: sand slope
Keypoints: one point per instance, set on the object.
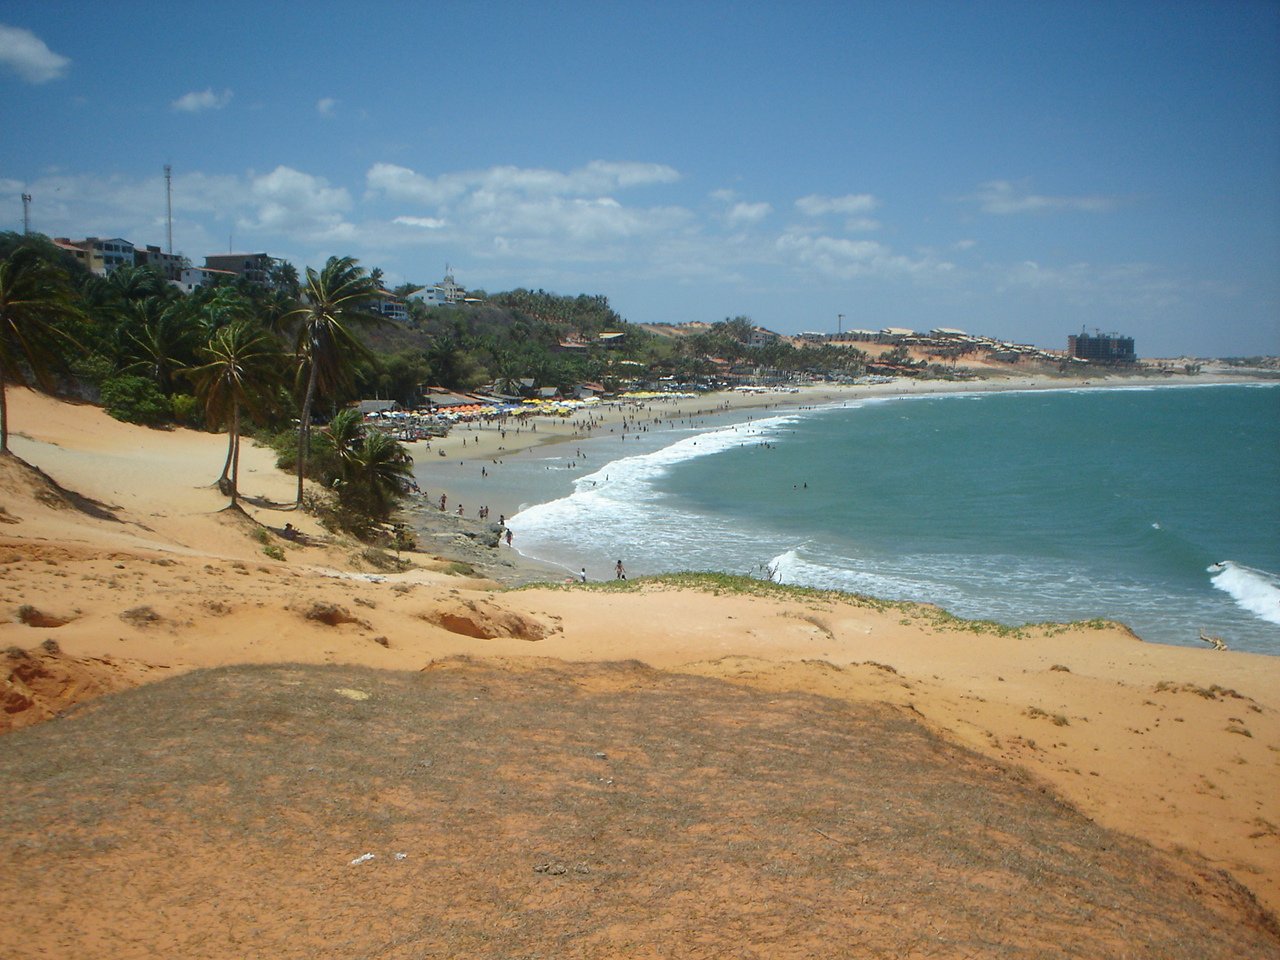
(544, 809)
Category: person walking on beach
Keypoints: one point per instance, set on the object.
(618, 572)
(583, 575)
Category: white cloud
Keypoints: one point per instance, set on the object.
(815, 205)
(1117, 286)
(325, 106)
(531, 213)
(199, 100)
(1005, 197)
(848, 259)
(743, 213)
(28, 56)
(425, 223)
(298, 204)
(596, 177)
(401, 183)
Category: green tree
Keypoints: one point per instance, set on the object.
(325, 345)
(160, 340)
(242, 362)
(343, 435)
(284, 278)
(137, 283)
(35, 304)
(375, 474)
(135, 399)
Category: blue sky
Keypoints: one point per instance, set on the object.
(1022, 170)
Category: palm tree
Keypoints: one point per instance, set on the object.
(376, 473)
(34, 300)
(241, 362)
(284, 278)
(344, 433)
(222, 307)
(325, 345)
(137, 283)
(162, 342)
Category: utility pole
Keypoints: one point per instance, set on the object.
(168, 203)
(839, 323)
(26, 214)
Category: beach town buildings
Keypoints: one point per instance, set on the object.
(169, 265)
(192, 277)
(1101, 347)
(99, 256)
(387, 304)
(445, 293)
(103, 256)
(254, 267)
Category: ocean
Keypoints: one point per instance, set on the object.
(1157, 507)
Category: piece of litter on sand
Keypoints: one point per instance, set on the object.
(363, 858)
(401, 856)
(352, 694)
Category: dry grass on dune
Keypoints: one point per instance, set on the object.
(562, 810)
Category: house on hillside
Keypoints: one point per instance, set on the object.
(448, 292)
(387, 304)
(254, 267)
(101, 257)
(169, 265)
(191, 277)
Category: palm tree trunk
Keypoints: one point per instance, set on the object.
(304, 427)
(4, 416)
(226, 466)
(235, 453)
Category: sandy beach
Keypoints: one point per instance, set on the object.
(121, 568)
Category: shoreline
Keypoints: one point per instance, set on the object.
(477, 471)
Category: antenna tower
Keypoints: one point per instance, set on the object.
(839, 323)
(168, 203)
(26, 214)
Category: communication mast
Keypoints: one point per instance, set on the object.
(839, 323)
(26, 214)
(168, 203)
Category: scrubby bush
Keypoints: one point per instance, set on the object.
(135, 400)
(185, 409)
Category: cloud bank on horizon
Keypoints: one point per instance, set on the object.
(724, 203)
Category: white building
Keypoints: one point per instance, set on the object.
(192, 277)
(445, 293)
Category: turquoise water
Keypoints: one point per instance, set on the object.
(1158, 507)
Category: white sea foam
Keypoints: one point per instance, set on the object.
(621, 498)
(1254, 590)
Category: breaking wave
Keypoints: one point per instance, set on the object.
(1256, 591)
